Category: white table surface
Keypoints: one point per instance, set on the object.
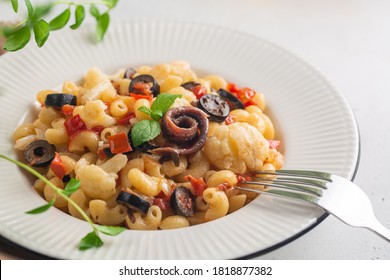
(349, 42)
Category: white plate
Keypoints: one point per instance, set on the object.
(315, 123)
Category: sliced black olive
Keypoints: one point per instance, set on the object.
(190, 85)
(233, 101)
(39, 153)
(183, 202)
(58, 100)
(133, 201)
(129, 73)
(215, 106)
(66, 178)
(144, 84)
(146, 147)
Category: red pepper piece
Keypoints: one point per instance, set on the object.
(126, 118)
(233, 88)
(67, 109)
(199, 91)
(119, 143)
(198, 184)
(148, 97)
(58, 166)
(243, 178)
(229, 119)
(142, 88)
(74, 125)
(97, 129)
(246, 95)
(163, 203)
(274, 144)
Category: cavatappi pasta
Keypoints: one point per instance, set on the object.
(175, 183)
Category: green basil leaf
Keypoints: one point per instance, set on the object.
(94, 11)
(89, 241)
(145, 110)
(60, 21)
(18, 39)
(15, 5)
(42, 208)
(163, 102)
(41, 31)
(101, 26)
(30, 9)
(110, 230)
(144, 131)
(111, 3)
(80, 16)
(72, 186)
(157, 115)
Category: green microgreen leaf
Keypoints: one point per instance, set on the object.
(15, 5)
(111, 3)
(145, 110)
(41, 32)
(60, 21)
(18, 39)
(144, 131)
(157, 115)
(79, 17)
(94, 11)
(72, 186)
(101, 26)
(163, 102)
(42, 208)
(110, 230)
(91, 240)
(29, 6)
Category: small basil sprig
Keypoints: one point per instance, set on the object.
(146, 130)
(92, 239)
(19, 35)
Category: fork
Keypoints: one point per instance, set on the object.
(336, 195)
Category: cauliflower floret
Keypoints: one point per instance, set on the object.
(238, 147)
(96, 86)
(255, 117)
(94, 181)
(93, 114)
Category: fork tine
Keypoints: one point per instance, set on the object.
(298, 173)
(294, 180)
(284, 193)
(294, 186)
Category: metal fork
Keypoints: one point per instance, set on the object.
(335, 194)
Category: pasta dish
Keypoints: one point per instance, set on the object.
(155, 147)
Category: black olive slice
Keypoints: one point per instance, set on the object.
(233, 101)
(183, 202)
(129, 73)
(39, 153)
(215, 106)
(58, 100)
(66, 178)
(190, 85)
(146, 147)
(150, 85)
(133, 201)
